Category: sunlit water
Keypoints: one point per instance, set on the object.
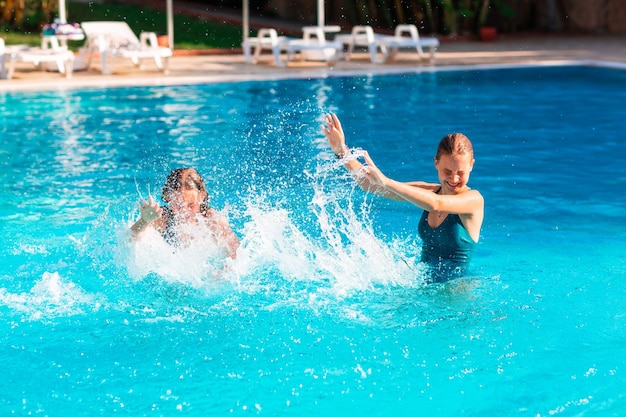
(325, 311)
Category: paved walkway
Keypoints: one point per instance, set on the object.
(187, 68)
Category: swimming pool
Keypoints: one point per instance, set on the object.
(325, 311)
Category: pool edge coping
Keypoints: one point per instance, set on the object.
(71, 84)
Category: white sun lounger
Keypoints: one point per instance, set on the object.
(3, 70)
(266, 39)
(61, 57)
(313, 46)
(364, 36)
(116, 39)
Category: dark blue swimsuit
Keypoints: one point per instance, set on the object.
(447, 248)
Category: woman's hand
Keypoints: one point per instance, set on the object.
(150, 210)
(368, 176)
(371, 171)
(334, 134)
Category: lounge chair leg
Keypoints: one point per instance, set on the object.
(349, 51)
(289, 56)
(373, 50)
(247, 53)
(11, 69)
(61, 66)
(432, 54)
(103, 60)
(86, 55)
(69, 68)
(392, 52)
(276, 53)
(384, 51)
(257, 53)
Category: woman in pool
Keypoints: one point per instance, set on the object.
(188, 205)
(453, 213)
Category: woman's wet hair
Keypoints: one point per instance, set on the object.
(455, 143)
(174, 183)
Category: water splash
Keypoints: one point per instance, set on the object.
(195, 264)
(50, 297)
(334, 249)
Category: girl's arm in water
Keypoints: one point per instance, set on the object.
(151, 215)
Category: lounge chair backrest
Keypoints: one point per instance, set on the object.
(104, 35)
(411, 30)
(315, 33)
(362, 30)
(269, 33)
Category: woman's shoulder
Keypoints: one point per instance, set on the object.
(473, 198)
(474, 193)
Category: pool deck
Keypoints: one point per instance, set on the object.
(192, 67)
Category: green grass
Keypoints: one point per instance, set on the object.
(17, 38)
(189, 33)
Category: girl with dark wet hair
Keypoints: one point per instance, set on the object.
(187, 204)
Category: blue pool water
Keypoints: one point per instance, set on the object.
(325, 311)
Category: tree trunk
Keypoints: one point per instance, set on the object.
(399, 12)
(386, 13)
(361, 9)
(373, 11)
(9, 11)
(548, 15)
(449, 17)
(483, 12)
(428, 11)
